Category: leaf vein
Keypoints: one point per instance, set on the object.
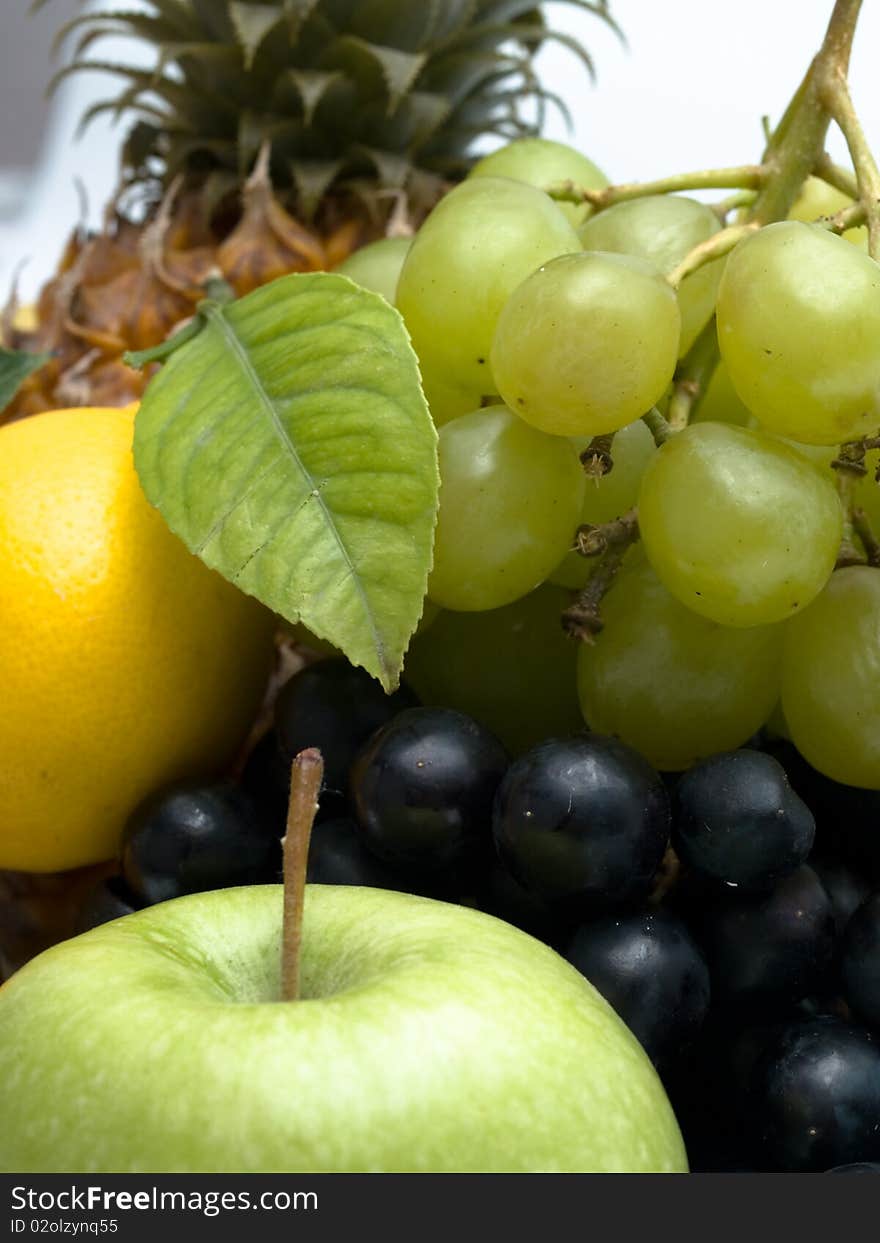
(227, 331)
(241, 500)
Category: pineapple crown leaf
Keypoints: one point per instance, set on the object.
(357, 90)
(297, 11)
(534, 34)
(214, 18)
(253, 23)
(512, 10)
(311, 85)
(394, 171)
(399, 70)
(312, 179)
(182, 107)
(117, 106)
(460, 76)
(139, 25)
(212, 56)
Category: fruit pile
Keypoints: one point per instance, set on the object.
(735, 932)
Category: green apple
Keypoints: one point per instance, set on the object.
(428, 1037)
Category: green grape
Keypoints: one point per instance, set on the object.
(430, 613)
(541, 162)
(721, 403)
(738, 526)
(663, 228)
(776, 725)
(798, 325)
(447, 400)
(377, 266)
(477, 245)
(587, 344)
(819, 456)
(610, 495)
(510, 499)
(831, 675)
(817, 199)
(512, 668)
(671, 684)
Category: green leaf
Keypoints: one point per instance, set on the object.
(289, 445)
(15, 367)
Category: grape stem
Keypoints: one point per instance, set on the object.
(846, 218)
(833, 175)
(742, 198)
(714, 247)
(797, 145)
(866, 534)
(838, 100)
(869, 442)
(692, 378)
(582, 619)
(305, 786)
(847, 476)
(596, 459)
(594, 541)
(666, 878)
(740, 177)
(849, 467)
(658, 426)
(851, 458)
(795, 149)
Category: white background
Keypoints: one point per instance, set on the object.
(688, 91)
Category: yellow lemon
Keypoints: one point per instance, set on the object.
(125, 663)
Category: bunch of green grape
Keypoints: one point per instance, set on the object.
(544, 328)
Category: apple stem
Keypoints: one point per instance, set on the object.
(305, 786)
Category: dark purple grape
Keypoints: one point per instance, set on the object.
(860, 962)
(814, 1099)
(503, 896)
(583, 823)
(335, 707)
(846, 889)
(708, 1089)
(738, 821)
(772, 948)
(650, 970)
(191, 838)
(847, 817)
(266, 778)
(422, 789)
(110, 899)
(337, 856)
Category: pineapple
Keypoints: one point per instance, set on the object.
(272, 137)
